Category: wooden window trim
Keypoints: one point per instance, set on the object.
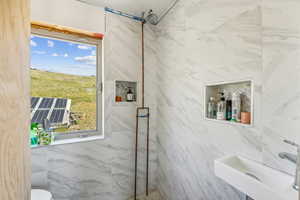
(65, 30)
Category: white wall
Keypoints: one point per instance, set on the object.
(222, 40)
(69, 13)
(201, 42)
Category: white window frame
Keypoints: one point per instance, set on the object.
(99, 85)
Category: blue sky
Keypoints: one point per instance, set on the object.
(63, 56)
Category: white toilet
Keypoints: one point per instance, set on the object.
(40, 195)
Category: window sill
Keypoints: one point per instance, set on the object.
(71, 141)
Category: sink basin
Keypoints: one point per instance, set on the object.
(255, 179)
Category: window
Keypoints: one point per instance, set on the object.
(66, 76)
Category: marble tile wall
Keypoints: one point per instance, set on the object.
(203, 41)
(104, 169)
(281, 80)
(199, 42)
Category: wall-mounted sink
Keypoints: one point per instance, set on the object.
(254, 179)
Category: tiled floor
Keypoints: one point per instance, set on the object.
(152, 196)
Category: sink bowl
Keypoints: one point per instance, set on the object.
(255, 179)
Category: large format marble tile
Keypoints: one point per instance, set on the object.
(220, 43)
(281, 76)
(204, 41)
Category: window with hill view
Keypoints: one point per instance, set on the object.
(63, 84)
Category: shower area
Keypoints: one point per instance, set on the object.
(123, 165)
(143, 149)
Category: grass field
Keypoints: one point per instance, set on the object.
(80, 89)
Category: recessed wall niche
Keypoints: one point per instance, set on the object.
(125, 91)
(230, 90)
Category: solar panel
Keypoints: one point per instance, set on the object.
(46, 103)
(56, 108)
(39, 116)
(34, 101)
(57, 116)
(61, 103)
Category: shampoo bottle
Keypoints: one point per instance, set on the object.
(221, 108)
(228, 109)
(236, 107)
(211, 108)
(129, 95)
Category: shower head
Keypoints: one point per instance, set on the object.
(151, 18)
(155, 19)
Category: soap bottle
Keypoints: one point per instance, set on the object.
(129, 96)
(228, 108)
(236, 107)
(211, 108)
(221, 110)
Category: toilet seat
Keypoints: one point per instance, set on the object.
(40, 195)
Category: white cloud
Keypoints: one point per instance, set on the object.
(33, 43)
(39, 52)
(83, 47)
(93, 52)
(90, 60)
(55, 54)
(66, 55)
(50, 43)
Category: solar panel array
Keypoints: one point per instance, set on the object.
(53, 109)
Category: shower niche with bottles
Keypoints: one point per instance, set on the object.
(125, 91)
(230, 102)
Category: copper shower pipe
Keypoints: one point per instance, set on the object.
(136, 149)
(143, 105)
(137, 124)
(143, 66)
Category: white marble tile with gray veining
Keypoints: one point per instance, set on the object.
(281, 80)
(221, 43)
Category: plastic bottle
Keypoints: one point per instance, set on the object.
(236, 107)
(221, 111)
(228, 108)
(211, 108)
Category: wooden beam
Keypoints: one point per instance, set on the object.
(66, 30)
(15, 172)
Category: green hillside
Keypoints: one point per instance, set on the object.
(80, 89)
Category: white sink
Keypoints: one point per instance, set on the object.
(243, 174)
